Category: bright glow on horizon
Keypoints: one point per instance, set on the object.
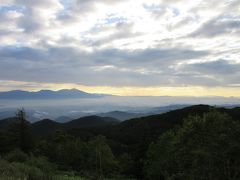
(128, 91)
(122, 47)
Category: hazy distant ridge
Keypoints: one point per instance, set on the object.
(47, 94)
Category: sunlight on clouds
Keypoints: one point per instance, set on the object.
(152, 44)
(231, 91)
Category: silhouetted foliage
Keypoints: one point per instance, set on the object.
(16, 134)
(20, 132)
(197, 142)
(205, 147)
(93, 157)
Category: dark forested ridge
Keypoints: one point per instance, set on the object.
(121, 115)
(196, 142)
(133, 128)
(152, 126)
(47, 127)
(5, 123)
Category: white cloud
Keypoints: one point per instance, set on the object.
(113, 42)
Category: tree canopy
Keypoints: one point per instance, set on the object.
(205, 147)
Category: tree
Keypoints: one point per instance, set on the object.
(161, 160)
(101, 157)
(205, 147)
(20, 132)
(21, 115)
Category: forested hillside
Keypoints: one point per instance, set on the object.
(196, 142)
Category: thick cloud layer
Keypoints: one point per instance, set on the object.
(121, 43)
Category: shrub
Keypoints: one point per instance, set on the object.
(18, 170)
(17, 165)
(16, 156)
(41, 163)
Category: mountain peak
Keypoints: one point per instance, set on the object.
(47, 94)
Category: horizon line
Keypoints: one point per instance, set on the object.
(80, 90)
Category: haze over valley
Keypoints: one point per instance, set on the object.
(68, 104)
(119, 89)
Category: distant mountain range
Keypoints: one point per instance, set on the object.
(47, 126)
(126, 115)
(62, 115)
(121, 115)
(131, 131)
(48, 94)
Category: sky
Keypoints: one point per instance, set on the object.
(121, 47)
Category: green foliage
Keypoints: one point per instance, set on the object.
(18, 164)
(35, 168)
(16, 156)
(160, 161)
(18, 135)
(24, 131)
(93, 158)
(102, 158)
(205, 147)
(16, 170)
(126, 164)
(67, 177)
(7, 144)
(41, 163)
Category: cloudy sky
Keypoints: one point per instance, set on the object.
(123, 47)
